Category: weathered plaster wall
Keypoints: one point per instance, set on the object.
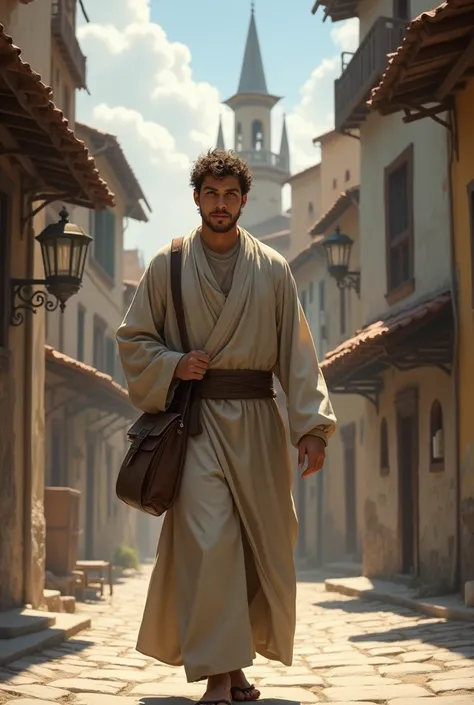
(436, 490)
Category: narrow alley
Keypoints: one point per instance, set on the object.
(347, 651)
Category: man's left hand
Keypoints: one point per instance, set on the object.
(315, 448)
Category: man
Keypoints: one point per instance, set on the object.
(224, 586)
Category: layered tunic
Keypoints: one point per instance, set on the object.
(223, 586)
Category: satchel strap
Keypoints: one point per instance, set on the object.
(176, 290)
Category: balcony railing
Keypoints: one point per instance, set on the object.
(64, 32)
(352, 88)
(263, 157)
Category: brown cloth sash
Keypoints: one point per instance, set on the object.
(228, 384)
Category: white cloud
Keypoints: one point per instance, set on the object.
(142, 90)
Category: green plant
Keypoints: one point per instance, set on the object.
(126, 557)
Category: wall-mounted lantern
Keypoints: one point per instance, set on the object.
(338, 251)
(64, 249)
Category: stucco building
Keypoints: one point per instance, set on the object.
(330, 504)
(445, 93)
(89, 413)
(400, 362)
(41, 160)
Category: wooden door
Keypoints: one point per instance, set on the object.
(408, 481)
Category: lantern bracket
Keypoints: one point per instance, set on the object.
(350, 281)
(30, 299)
(45, 201)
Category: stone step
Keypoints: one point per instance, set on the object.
(23, 621)
(64, 627)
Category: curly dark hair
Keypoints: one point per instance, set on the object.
(220, 164)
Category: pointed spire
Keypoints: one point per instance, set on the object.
(252, 77)
(284, 147)
(220, 144)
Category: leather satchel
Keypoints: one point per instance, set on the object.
(151, 472)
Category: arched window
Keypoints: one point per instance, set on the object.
(436, 437)
(257, 135)
(384, 459)
(238, 137)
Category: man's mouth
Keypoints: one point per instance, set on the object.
(219, 215)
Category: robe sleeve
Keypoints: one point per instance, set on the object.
(148, 365)
(309, 409)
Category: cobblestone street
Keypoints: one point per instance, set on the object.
(347, 651)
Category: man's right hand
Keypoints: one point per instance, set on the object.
(192, 366)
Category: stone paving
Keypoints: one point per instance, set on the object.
(348, 652)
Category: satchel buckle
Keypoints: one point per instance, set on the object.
(136, 443)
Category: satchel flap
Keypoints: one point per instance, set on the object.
(152, 424)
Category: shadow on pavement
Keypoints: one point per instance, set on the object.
(162, 700)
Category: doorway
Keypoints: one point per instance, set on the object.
(408, 481)
(348, 436)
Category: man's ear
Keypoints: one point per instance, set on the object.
(196, 197)
(244, 200)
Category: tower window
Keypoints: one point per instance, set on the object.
(257, 135)
(239, 138)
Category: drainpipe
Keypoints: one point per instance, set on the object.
(456, 569)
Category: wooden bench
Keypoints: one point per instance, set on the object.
(94, 574)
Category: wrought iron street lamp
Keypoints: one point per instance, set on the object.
(64, 249)
(338, 248)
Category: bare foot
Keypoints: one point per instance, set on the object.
(241, 689)
(218, 689)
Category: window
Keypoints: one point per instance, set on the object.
(66, 101)
(342, 310)
(103, 229)
(384, 459)
(436, 437)
(399, 226)
(303, 301)
(322, 312)
(334, 183)
(257, 135)
(401, 9)
(347, 175)
(110, 356)
(98, 353)
(311, 292)
(81, 328)
(310, 209)
(4, 268)
(470, 195)
(239, 138)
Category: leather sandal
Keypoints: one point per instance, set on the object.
(245, 691)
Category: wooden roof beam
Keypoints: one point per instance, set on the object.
(456, 72)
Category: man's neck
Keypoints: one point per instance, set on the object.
(219, 242)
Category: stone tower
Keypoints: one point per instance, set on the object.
(252, 106)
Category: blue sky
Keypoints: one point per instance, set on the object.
(292, 40)
(158, 71)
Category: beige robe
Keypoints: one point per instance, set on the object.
(223, 586)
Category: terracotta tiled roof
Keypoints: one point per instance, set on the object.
(434, 42)
(368, 341)
(79, 373)
(346, 199)
(312, 250)
(121, 167)
(62, 162)
(304, 172)
(325, 136)
(337, 9)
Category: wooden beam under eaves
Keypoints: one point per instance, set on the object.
(463, 63)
